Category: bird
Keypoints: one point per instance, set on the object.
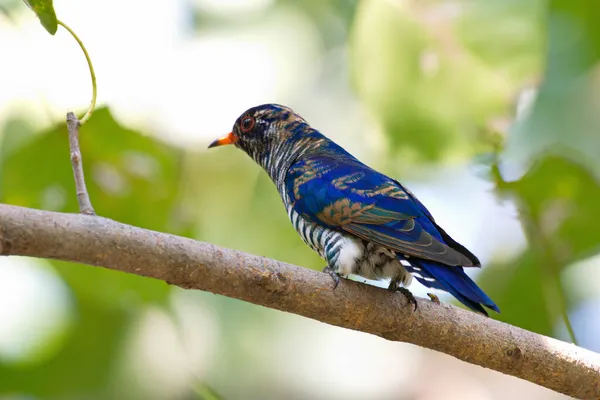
(360, 221)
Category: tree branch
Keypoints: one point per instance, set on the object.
(191, 264)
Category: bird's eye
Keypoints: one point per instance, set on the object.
(247, 124)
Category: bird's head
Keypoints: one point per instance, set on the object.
(261, 130)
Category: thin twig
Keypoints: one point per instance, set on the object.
(83, 198)
(190, 264)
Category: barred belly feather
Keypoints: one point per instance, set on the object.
(349, 255)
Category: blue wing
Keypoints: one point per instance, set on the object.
(341, 193)
(344, 194)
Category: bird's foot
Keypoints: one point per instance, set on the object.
(395, 287)
(334, 276)
(409, 296)
(434, 298)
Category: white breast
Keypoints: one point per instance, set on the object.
(351, 252)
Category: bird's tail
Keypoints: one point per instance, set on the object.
(453, 280)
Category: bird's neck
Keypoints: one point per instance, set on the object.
(277, 161)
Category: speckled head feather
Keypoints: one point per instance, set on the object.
(261, 127)
(273, 135)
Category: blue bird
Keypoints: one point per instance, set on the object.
(359, 221)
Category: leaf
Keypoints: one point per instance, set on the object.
(515, 29)
(557, 145)
(427, 96)
(560, 198)
(131, 178)
(517, 289)
(45, 12)
(564, 115)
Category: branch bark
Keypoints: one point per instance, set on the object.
(190, 264)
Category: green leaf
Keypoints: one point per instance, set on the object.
(45, 12)
(557, 144)
(131, 178)
(517, 289)
(559, 197)
(429, 99)
(565, 115)
(507, 35)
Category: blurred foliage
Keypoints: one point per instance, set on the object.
(433, 75)
(565, 116)
(557, 199)
(559, 194)
(7, 7)
(125, 172)
(85, 362)
(430, 91)
(331, 17)
(132, 178)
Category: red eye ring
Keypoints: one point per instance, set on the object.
(246, 124)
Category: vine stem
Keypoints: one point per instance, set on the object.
(550, 282)
(90, 110)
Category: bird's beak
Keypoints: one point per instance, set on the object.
(230, 138)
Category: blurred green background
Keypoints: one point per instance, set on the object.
(487, 110)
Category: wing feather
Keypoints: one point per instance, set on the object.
(347, 195)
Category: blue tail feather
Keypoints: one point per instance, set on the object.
(453, 280)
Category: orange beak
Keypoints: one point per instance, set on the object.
(230, 138)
